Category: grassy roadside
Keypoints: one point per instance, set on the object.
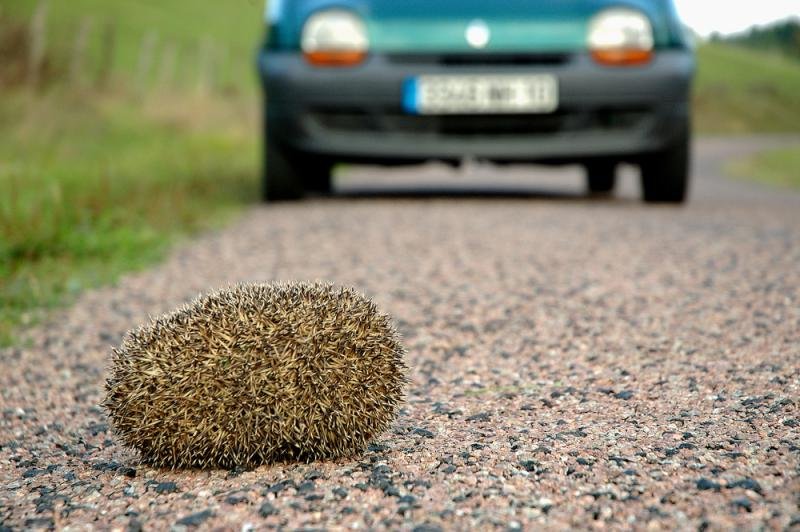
(228, 31)
(154, 140)
(742, 91)
(94, 188)
(780, 168)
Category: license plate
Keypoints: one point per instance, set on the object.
(498, 94)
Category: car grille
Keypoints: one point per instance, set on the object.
(395, 121)
(488, 59)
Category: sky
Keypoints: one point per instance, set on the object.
(730, 16)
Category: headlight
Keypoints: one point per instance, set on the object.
(620, 36)
(335, 38)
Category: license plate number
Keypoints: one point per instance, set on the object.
(498, 94)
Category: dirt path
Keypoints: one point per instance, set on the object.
(575, 363)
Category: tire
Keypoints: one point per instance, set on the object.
(665, 175)
(288, 176)
(317, 176)
(281, 179)
(601, 177)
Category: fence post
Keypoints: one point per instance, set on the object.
(38, 43)
(146, 53)
(107, 50)
(206, 66)
(76, 69)
(169, 62)
(223, 67)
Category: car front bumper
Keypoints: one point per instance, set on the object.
(356, 114)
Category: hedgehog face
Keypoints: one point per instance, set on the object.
(258, 374)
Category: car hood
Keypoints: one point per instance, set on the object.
(515, 25)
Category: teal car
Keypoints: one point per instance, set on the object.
(592, 82)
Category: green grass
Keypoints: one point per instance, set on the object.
(743, 91)
(232, 27)
(95, 188)
(780, 168)
(98, 181)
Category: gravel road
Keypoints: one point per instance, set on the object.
(575, 363)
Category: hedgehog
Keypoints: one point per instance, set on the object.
(258, 374)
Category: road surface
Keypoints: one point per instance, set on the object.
(575, 363)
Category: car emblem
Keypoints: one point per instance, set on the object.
(478, 34)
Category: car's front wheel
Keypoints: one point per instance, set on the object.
(601, 177)
(288, 175)
(665, 175)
